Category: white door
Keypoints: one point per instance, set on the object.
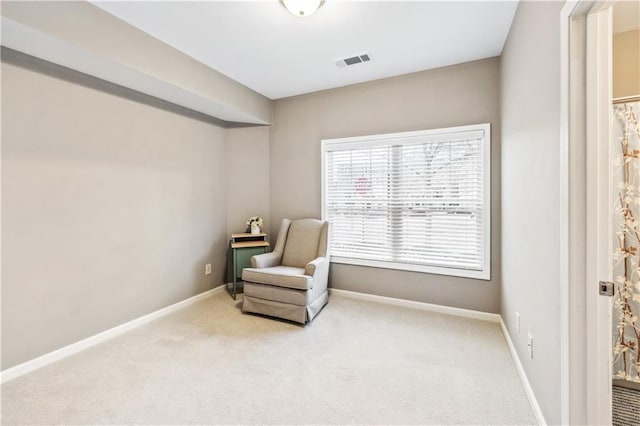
(587, 220)
(590, 196)
(599, 213)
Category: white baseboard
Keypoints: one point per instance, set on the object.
(467, 313)
(58, 354)
(523, 376)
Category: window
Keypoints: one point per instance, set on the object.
(416, 201)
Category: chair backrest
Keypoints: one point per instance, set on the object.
(306, 239)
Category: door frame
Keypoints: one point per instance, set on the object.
(585, 250)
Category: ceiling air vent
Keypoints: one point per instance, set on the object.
(353, 60)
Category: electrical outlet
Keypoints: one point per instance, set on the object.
(530, 345)
(518, 322)
(207, 269)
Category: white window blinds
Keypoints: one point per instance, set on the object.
(417, 201)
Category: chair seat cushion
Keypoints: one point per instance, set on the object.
(281, 276)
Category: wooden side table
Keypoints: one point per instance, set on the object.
(244, 246)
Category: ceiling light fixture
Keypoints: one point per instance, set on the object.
(302, 8)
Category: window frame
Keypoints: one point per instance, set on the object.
(382, 139)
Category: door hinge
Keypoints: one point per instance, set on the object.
(605, 288)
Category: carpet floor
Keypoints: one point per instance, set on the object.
(358, 362)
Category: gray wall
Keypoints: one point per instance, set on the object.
(247, 163)
(530, 88)
(450, 96)
(110, 210)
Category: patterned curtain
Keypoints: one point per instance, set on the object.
(626, 338)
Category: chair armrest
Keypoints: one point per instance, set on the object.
(266, 260)
(317, 264)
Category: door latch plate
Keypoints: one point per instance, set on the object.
(605, 288)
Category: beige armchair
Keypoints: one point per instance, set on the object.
(291, 281)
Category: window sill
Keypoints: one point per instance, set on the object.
(453, 272)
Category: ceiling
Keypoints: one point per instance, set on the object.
(626, 16)
(264, 47)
